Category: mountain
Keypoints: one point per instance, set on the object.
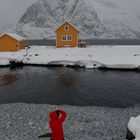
(118, 19)
(93, 18)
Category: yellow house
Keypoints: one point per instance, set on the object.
(67, 35)
(12, 42)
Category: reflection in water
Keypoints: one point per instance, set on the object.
(9, 79)
(66, 78)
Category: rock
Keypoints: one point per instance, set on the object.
(36, 54)
(43, 17)
(30, 123)
(129, 135)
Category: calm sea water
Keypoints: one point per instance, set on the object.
(81, 87)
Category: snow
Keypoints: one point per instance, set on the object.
(94, 19)
(6, 57)
(134, 126)
(122, 57)
(43, 17)
(116, 17)
(15, 36)
(4, 61)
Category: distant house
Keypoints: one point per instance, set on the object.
(66, 35)
(12, 42)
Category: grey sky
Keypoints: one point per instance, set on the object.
(12, 10)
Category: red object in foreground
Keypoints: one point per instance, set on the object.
(56, 123)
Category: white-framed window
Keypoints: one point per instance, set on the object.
(66, 37)
(63, 37)
(69, 37)
(66, 27)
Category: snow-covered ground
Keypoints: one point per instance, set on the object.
(91, 57)
(27, 121)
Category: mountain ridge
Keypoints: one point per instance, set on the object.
(43, 17)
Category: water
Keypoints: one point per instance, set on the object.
(81, 87)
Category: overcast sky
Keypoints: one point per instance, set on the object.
(12, 10)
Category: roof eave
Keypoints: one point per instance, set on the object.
(63, 24)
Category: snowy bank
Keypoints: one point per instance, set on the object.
(114, 57)
(4, 61)
(27, 121)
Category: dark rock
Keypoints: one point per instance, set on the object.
(13, 63)
(129, 135)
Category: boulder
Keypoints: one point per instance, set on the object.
(129, 135)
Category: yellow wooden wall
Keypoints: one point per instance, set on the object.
(22, 44)
(8, 43)
(72, 31)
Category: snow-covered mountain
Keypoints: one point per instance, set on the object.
(118, 18)
(93, 18)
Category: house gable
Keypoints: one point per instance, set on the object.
(8, 37)
(64, 24)
(66, 35)
(13, 36)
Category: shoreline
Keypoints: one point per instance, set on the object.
(27, 121)
(92, 57)
(17, 65)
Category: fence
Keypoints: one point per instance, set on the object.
(42, 42)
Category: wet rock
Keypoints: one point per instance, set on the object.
(129, 135)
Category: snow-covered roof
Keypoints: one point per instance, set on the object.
(15, 36)
(64, 23)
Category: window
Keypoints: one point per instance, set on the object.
(66, 37)
(69, 37)
(63, 37)
(66, 28)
